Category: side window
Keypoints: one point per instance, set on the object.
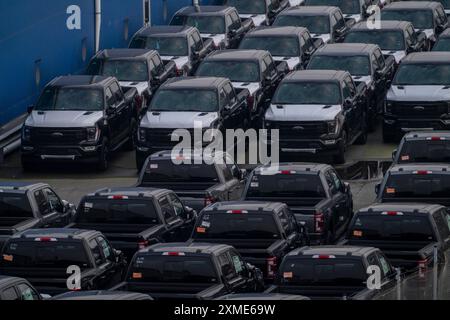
(106, 249)
(385, 267)
(53, 200)
(375, 65)
(10, 294)
(223, 99)
(167, 210)
(43, 205)
(285, 223)
(340, 23)
(330, 182)
(197, 40)
(110, 98)
(334, 23)
(177, 204)
(410, 36)
(95, 249)
(372, 260)
(380, 58)
(230, 92)
(442, 224)
(336, 181)
(351, 86)
(228, 22)
(237, 262)
(271, 70)
(159, 66)
(227, 268)
(346, 91)
(309, 45)
(192, 44)
(26, 292)
(442, 17)
(236, 20)
(115, 89)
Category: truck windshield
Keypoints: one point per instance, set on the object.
(421, 19)
(166, 171)
(286, 185)
(126, 70)
(308, 93)
(236, 226)
(173, 269)
(356, 65)
(386, 40)
(417, 186)
(443, 44)
(334, 272)
(195, 100)
(391, 228)
(436, 74)
(277, 46)
(236, 71)
(49, 254)
(14, 206)
(425, 151)
(248, 7)
(207, 24)
(111, 211)
(166, 46)
(70, 99)
(315, 24)
(346, 6)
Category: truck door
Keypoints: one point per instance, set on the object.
(56, 217)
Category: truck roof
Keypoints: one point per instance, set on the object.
(316, 75)
(411, 5)
(421, 208)
(101, 295)
(19, 187)
(276, 31)
(128, 54)
(423, 135)
(335, 250)
(81, 81)
(128, 191)
(411, 167)
(7, 280)
(204, 10)
(346, 49)
(194, 83)
(295, 166)
(165, 31)
(237, 54)
(384, 25)
(58, 233)
(427, 57)
(186, 247)
(309, 10)
(245, 205)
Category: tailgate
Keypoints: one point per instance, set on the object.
(321, 292)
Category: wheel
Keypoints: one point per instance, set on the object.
(362, 139)
(131, 143)
(103, 158)
(339, 158)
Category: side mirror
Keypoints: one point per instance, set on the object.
(45, 296)
(421, 36)
(30, 109)
(379, 74)
(243, 174)
(232, 32)
(346, 187)
(118, 255)
(318, 43)
(110, 111)
(66, 205)
(348, 103)
(394, 154)
(190, 213)
(377, 188)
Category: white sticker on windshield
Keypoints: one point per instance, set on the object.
(206, 224)
(154, 166)
(88, 205)
(254, 184)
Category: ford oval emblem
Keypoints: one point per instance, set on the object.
(419, 108)
(298, 128)
(57, 134)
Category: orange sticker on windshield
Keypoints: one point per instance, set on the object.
(8, 257)
(357, 233)
(404, 158)
(390, 190)
(137, 275)
(287, 275)
(201, 230)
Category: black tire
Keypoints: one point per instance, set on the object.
(362, 139)
(103, 162)
(131, 143)
(339, 158)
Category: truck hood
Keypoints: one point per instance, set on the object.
(418, 93)
(258, 19)
(140, 86)
(366, 79)
(63, 119)
(180, 61)
(398, 55)
(326, 37)
(292, 62)
(216, 38)
(177, 120)
(252, 87)
(357, 17)
(302, 112)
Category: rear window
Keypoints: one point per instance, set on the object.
(172, 269)
(286, 185)
(417, 186)
(50, 254)
(166, 171)
(425, 151)
(236, 226)
(391, 228)
(14, 206)
(117, 212)
(323, 272)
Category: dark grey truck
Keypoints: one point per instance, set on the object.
(406, 233)
(314, 193)
(190, 271)
(197, 185)
(134, 218)
(262, 232)
(26, 206)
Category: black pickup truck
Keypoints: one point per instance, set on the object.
(26, 206)
(190, 271)
(314, 193)
(262, 232)
(134, 68)
(79, 119)
(333, 272)
(222, 24)
(406, 233)
(43, 257)
(197, 185)
(133, 218)
(252, 70)
(12, 288)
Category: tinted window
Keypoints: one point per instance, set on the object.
(236, 226)
(170, 269)
(386, 40)
(307, 93)
(286, 185)
(423, 74)
(277, 46)
(10, 294)
(71, 99)
(53, 200)
(207, 24)
(98, 258)
(391, 228)
(166, 46)
(315, 24)
(248, 7)
(226, 266)
(185, 100)
(26, 292)
(162, 171)
(167, 209)
(42, 202)
(421, 19)
(14, 206)
(117, 212)
(125, 70)
(417, 186)
(356, 65)
(424, 151)
(238, 71)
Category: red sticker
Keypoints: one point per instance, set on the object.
(201, 230)
(357, 233)
(287, 275)
(390, 190)
(404, 158)
(7, 257)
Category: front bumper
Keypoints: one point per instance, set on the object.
(83, 154)
(310, 146)
(397, 126)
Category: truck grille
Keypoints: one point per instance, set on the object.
(58, 136)
(419, 109)
(300, 130)
(162, 137)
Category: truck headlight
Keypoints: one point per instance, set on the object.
(333, 126)
(142, 135)
(26, 133)
(93, 133)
